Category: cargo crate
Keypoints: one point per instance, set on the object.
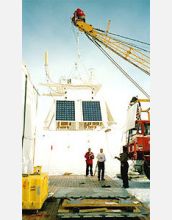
(34, 190)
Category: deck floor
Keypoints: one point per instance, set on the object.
(62, 182)
(78, 181)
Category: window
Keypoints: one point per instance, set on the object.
(147, 129)
(132, 132)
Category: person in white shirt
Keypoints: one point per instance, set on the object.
(101, 165)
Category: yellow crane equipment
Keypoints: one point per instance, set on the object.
(132, 53)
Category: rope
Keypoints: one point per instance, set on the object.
(76, 36)
(73, 30)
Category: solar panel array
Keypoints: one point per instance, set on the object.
(65, 110)
(91, 111)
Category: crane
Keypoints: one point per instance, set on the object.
(135, 55)
(138, 137)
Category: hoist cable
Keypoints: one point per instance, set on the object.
(79, 61)
(73, 30)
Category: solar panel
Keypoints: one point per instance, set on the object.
(91, 111)
(65, 110)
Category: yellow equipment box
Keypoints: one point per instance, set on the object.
(34, 190)
(37, 170)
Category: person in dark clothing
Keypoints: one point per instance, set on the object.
(133, 100)
(101, 165)
(124, 166)
(89, 162)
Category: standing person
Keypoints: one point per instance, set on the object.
(123, 158)
(101, 165)
(89, 162)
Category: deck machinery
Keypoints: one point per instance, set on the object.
(137, 134)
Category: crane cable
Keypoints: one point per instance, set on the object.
(78, 60)
(130, 44)
(123, 37)
(127, 43)
(141, 68)
(118, 66)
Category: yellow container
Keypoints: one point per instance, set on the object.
(37, 169)
(34, 190)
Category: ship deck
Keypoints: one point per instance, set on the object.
(74, 188)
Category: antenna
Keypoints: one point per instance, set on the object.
(46, 67)
(46, 58)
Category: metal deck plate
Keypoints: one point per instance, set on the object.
(79, 181)
(104, 215)
(72, 192)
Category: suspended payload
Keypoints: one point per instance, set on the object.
(78, 109)
(77, 104)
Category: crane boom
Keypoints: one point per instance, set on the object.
(129, 52)
(121, 48)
